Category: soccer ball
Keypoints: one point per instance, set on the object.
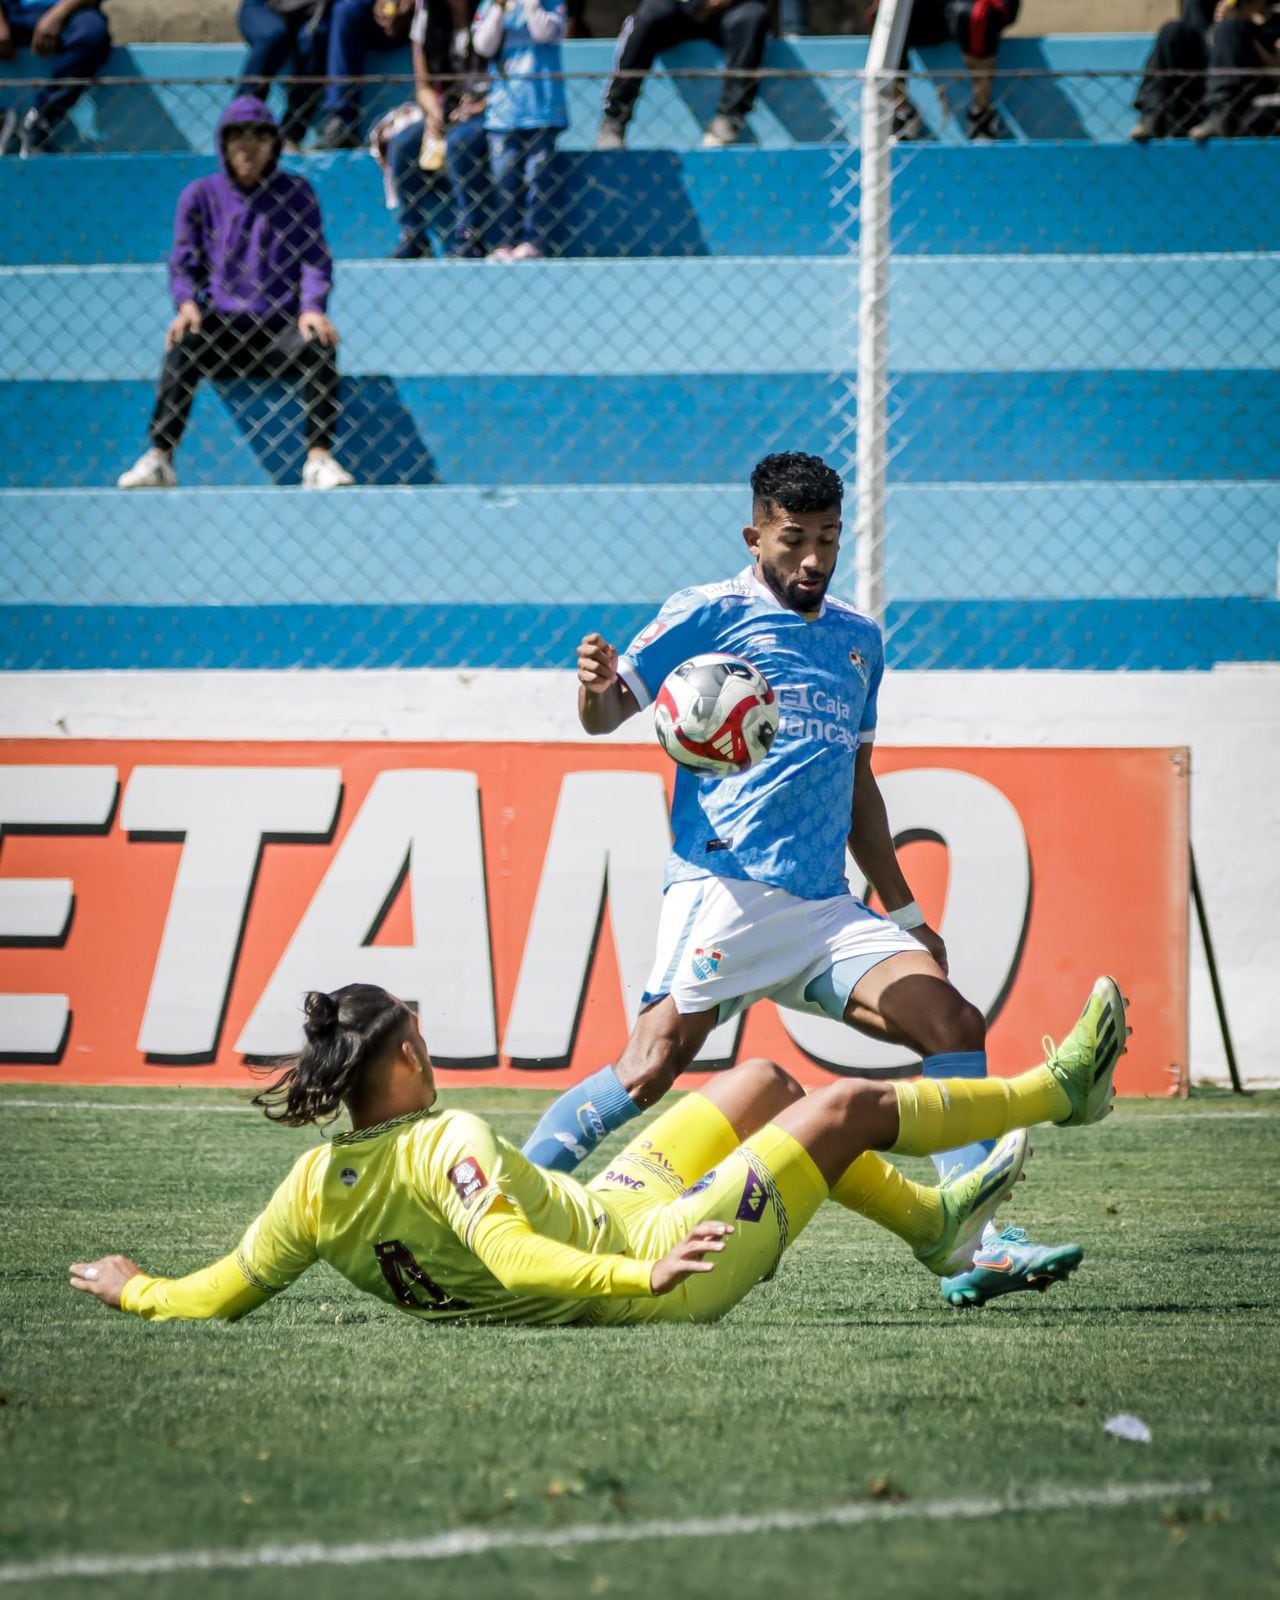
(715, 714)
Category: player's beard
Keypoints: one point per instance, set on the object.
(788, 591)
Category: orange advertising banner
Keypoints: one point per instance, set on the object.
(163, 906)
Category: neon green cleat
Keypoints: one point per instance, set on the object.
(1085, 1062)
(970, 1202)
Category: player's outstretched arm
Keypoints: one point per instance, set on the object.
(871, 845)
(221, 1290)
(604, 701)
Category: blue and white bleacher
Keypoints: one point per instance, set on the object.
(1076, 427)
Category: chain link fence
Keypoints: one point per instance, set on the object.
(550, 395)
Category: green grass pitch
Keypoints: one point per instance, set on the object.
(844, 1383)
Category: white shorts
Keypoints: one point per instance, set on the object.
(724, 943)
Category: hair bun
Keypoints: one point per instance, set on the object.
(320, 1015)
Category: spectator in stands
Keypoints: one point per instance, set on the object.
(1242, 101)
(280, 33)
(738, 26)
(250, 274)
(72, 41)
(446, 143)
(1169, 98)
(526, 112)
(976, 26)
(355, 27)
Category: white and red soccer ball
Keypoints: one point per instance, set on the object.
(715, 714)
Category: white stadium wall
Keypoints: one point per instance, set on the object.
(1229, 718)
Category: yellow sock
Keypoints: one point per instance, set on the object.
(876, 1189)
(946, 1113)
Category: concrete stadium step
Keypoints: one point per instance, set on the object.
(1081, 106)
(947, 428)
(243, 547)
(1063, 635)
(715, 315)
(1008, 199)
(165, 113)
(120, 208)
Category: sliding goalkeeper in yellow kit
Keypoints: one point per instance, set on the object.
(433, 1212)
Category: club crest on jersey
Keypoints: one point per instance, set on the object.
(652, 632)
(347, 1176)
(859, 664)
(704, 1182)
(468, 1179)
(706, 963)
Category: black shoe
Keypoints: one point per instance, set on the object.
(985, 124)
(908, 124)
(468, 247)
(412, 247)
(37, 131)
(338, 134)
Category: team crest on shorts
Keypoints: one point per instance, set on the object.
(468, 1179)
(754, 1199)
(704, 1182)
(859, 664)
(706, 963)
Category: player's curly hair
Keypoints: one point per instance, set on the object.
(796, 482)
(346, 1032)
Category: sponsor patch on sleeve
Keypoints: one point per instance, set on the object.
(468, 1178)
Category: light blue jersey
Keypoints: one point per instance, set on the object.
(785, 820)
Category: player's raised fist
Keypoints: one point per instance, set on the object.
(597, 664)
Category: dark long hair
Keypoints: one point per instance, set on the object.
(346, 1032)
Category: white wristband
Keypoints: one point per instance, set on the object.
(908, 916)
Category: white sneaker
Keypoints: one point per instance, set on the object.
(722, 132)
(323, 472)
(152, 470)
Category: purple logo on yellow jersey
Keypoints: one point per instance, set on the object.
(754, 1199)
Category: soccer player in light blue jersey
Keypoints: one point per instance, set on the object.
(756, 902)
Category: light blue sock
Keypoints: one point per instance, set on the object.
(958, 1064)
(575, 1124)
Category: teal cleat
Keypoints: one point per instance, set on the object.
(1008, 1262)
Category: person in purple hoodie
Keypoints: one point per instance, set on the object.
(250, 274)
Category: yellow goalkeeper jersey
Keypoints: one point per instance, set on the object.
(401, 1210)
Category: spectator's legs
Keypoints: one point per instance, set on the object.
(199, 355)
(413, 186)
(467, 166)
(794, 17)
(741, 32)
(654, 26)
(302, 100)
(539, 147)
(350, 25)
(290, 358)
(1233, 77)
(269, 39)
(505, 151)
(976, 26)
(1169, 105)
(83, 49)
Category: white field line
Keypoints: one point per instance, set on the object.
(477, 1541)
